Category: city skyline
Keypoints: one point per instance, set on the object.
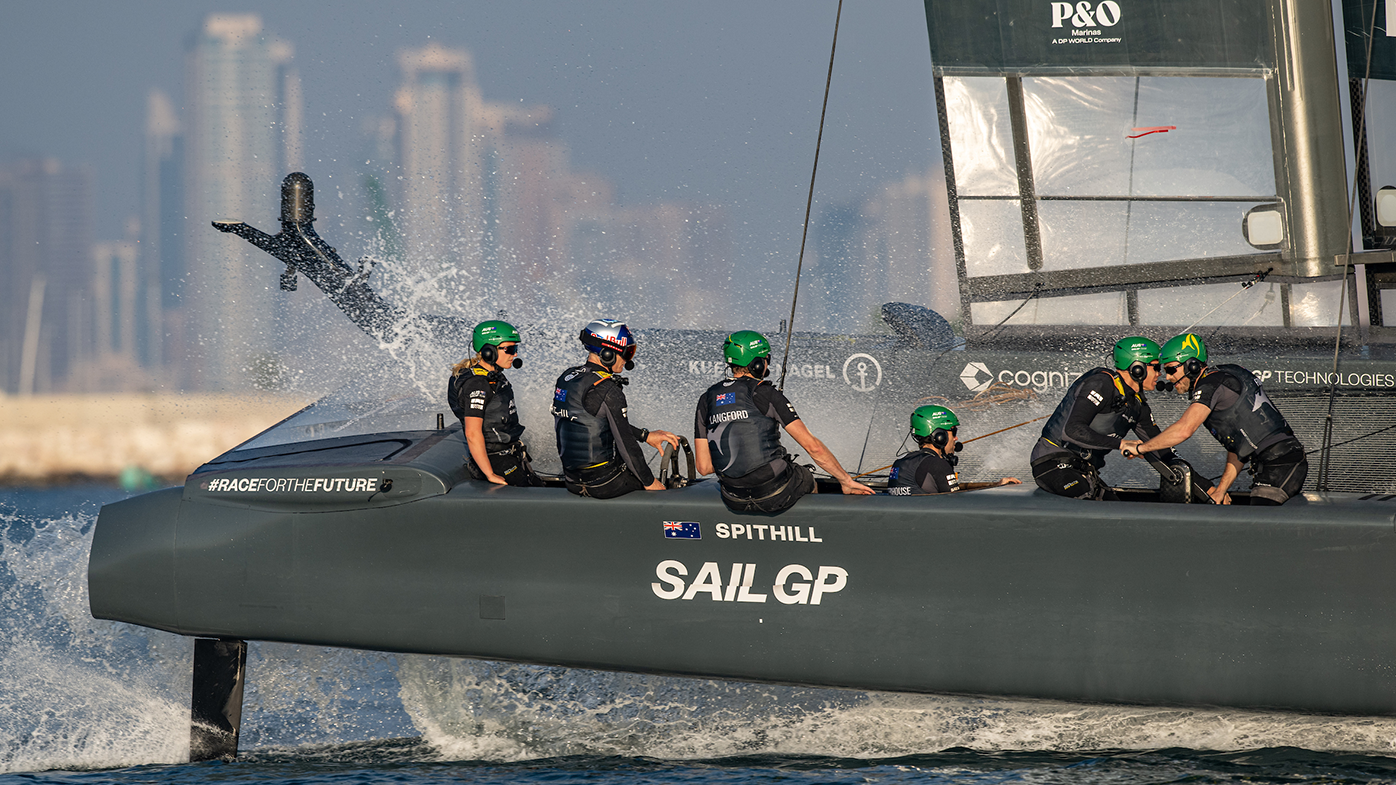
(548, 242)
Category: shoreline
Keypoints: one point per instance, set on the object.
(127, 440)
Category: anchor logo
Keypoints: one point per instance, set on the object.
(970, 376)
(864, 365)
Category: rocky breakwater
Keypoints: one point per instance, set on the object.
(47, 440)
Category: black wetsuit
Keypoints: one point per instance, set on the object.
(922, 472)
(600, 449)
(1246, 423)
(741, 418)
(1099, 409)
(487, 395)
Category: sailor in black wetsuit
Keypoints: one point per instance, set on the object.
(931, 469)
(483, 401)
(736, 433)
(1100, 407)
(1229, 401)
(600, 449)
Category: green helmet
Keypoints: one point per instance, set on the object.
(926, 420)
(744, 346)
(493, 333)
(1181, 348)
(1137, 349)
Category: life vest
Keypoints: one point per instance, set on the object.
(1115, 419)
(741, 438)
(1251, 423)
(500, 417)
(583, 440)
(902, 481)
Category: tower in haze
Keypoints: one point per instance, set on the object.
(482, 183)
(161, 341)
(243, 107)
(45, 274)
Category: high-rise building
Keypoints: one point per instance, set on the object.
(242, 137)
(45, 273)
(159, 340)
(481, 182)
(909, 255)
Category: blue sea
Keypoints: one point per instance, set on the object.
(87, 701)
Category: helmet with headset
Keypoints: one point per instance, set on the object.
(934, 424)
(609, 339)
(1134, 355)
(489, 335)
(750, 350)
(1188, 350)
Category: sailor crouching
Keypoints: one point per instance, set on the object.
(1098, 410)
(599, 448)
(483, 400)
(931, 468)
(736, 434)
(1228, 400)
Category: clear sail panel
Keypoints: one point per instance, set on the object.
(1124, 170)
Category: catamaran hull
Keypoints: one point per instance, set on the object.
(1006, 592)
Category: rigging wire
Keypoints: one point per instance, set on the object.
(809, 201)
(1257, 278)
(1359, 121)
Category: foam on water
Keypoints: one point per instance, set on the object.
(77, 692)
(490, 711)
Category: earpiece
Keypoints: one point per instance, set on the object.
(1192, 367)
(941, 437)
(607, 355)
(1138, 371)
(489, 353)
(759, 368)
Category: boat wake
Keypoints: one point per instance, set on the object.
(77, 693)
(490, 711)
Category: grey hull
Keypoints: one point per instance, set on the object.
(1006, 591)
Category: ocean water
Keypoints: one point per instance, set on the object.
(85, 701)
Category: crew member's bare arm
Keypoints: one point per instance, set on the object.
(1229, 474)
(475, 440)
(824, 458)
(1173, 435)
(702, 458)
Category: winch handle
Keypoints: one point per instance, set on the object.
(669, 475)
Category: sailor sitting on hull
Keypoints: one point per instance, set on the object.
(600, 449)
(1229, 401)
(931, 469)
(483, 401)
(736, 433)
(1099, 408)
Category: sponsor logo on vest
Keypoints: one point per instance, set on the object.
(794, 584)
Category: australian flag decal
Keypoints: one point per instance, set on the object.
(725, 398)
(682, 530)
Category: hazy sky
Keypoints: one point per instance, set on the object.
(710, 102)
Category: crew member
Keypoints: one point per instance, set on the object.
(931, 469)
(736, 433)
(1100, 407)
(600, 449)
(1228, 400)
(483, 400)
